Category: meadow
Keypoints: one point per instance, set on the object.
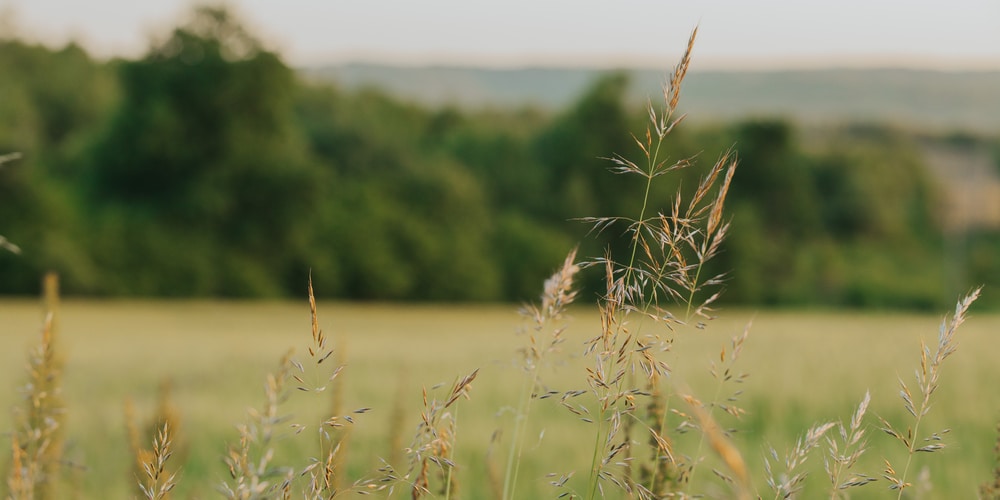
(641, 390)
(804, 368)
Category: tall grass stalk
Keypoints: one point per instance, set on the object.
(251, 469)
(36, 444)
(434, 442)
(162, 430)
(927, 376)
(666, 257)
(844, 453)
(557, 296)
(787, 483)
(158, 480)
(323, 473)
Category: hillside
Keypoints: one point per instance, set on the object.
(918, 99)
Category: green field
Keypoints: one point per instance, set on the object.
(805, 368)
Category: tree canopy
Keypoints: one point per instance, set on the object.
(208, 167)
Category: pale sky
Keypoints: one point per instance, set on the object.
(953, 34)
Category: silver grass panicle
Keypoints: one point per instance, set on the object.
(787, 483)
(548, 315)
(927, 377)
(252, 474)
(843, 453)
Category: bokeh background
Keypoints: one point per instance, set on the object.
(440, 151)
(443, 152)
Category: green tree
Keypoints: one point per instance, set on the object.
(204, 150)
(52, 101)
(574, 147)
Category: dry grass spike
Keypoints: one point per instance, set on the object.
(927, 377)
(158, 480)
(37, 442)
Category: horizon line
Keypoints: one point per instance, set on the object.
(650, 62)
(513, 61)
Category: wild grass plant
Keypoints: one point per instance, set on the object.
(843, 453)
(37, 441)
(557, 296)
(153, 444)
(927, 378)
(157, 480)
(651, 429)
(253, 471)
(805, 368)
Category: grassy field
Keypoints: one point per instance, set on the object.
(615, 397)
(805, 368)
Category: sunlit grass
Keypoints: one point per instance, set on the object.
(805, 368)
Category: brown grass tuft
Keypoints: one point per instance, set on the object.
(434, 443)
(158, 480)
(36, 444)
(165, 416)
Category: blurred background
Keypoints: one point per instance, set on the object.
(439, 151)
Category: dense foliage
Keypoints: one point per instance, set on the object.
(210, 168)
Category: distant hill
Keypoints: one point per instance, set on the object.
(917, 99)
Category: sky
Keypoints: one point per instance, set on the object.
(737, 34)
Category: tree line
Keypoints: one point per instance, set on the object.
(209, 167)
